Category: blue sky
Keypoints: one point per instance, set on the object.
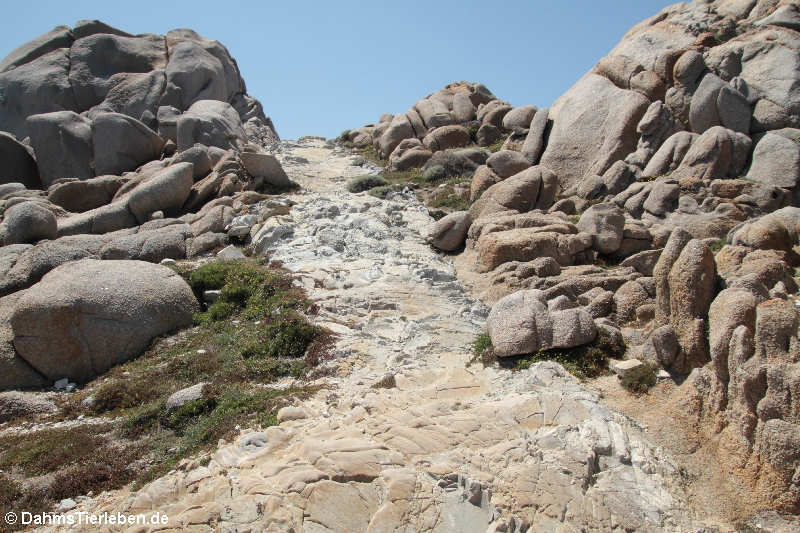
(321, 67)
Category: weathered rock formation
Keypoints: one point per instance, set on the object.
(117, 147)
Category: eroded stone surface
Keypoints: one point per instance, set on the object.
(453, 447)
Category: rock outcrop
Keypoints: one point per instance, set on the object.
(144, 145)
(95, 100)
(654, 203)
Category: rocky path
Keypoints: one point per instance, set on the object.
(442, 445)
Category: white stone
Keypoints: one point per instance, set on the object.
(622, 368)
(230, 252)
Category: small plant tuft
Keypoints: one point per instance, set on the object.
(718, 245)
(482, 350)
(365, 183)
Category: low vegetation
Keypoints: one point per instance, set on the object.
(365, 183)
(482, 350)
(584, 362)
(434, 188)
(255, 333)
(371, 154)
(718, 245)
(640, 379)
(447, 197)
(496, 147)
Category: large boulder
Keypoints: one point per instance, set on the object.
(166, 191)
(18, 166)
(58, 37)
(151, 245)
(716, 103)
(449, 232)
(463, 109)
(433, 112)
(605, 223)
(87, 316)
(767, 64)
(95, 68)
(493, 113)
(198, 156)
(118, 73)
(672, 250)
(211, 123)
(776, 159)
(656, 126)
(445, 137)
(28, 222)
(766, 233)
(534, 143)
(527, 240)
(264, 166)
(594, 125)
(532, 188)
(122, 143)
(521, 323)
(399, 128)
(630, 297)
(15, 372)
(519, 118)
(410, 153)
(717, 153)
(506, 163)
(663, 198)
(482, 179)
(692, 280)
(62, 141)
(669, 156)
(36, 87)
(104, 219)
(199, 69)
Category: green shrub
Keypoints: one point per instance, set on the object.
(365, 183)
(473, 132)
(244, 286)
(718, 245)
(289, 336)
(434, 174)
(344, 136)
(270, 188)
(210, 277)
(382, 192)
(496, 147)
(271, 339)
(219, 310)
(640, 379)
(448, 198)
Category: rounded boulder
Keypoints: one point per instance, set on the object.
(29, 222)
(86, 316)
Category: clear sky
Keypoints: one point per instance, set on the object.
(321, 67)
